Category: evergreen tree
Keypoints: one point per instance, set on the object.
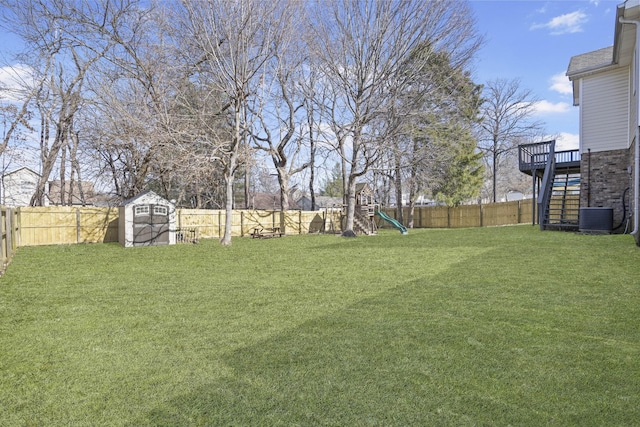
(439, 154)
(334, 186)
(462, 176)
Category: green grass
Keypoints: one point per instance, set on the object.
(494, 326)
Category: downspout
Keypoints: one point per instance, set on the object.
(636, 77)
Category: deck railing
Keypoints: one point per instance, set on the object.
(535, 156)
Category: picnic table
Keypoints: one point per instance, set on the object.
(266, 233)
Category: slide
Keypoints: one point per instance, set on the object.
(393, 222)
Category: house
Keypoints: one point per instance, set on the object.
(269, 201)
(605, 87)
(83, 193)
(19, 186)
(322, 202)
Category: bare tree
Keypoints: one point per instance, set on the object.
(15, 119)
(65, 42)
(360, 47)
(506, 121)
(277, 130)
(233, 41)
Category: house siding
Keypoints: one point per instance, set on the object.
(605, 111)
(18, 187)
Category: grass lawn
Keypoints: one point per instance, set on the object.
(493, 326)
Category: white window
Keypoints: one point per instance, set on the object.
(141, 210)
(160, 210)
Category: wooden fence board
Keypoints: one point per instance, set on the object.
(98, 225)
(208, 223)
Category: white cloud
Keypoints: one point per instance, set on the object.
(564, 24)
(546, 107)
(12, 81)
(561, 84)
(567, 141)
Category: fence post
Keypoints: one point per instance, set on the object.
(17, 219)
(78, 225)
(9, 240)
(3, 211)
(241, 223)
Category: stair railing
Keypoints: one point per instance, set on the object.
(360, 223)
(547, 186)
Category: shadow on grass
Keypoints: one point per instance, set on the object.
(463, 347)
(367, 364)
(404, 357)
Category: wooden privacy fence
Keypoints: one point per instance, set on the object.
(67, 225)
(492, 214)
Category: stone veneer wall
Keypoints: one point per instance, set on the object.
(605, 184)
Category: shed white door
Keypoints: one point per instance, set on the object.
(150, 225)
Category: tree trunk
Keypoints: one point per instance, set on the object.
(229, 174)
(351, 205)
(398, 185)
(228, 179)
(495, 168)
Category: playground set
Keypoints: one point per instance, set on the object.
(366, 210)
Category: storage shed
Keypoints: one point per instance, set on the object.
(147, 220)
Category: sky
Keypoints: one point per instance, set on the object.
(533, 41)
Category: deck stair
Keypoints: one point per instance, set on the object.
(558, 173)
(563, 206)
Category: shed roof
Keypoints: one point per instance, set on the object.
(147, 194)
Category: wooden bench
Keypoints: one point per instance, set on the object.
(266, 233)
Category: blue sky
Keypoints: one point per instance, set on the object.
(527, 40)
(533, 41)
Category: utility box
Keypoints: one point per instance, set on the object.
(596, 220)
(147, 220)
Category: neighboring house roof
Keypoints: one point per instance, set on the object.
(55, 188)
(328, 202)
(269, 201)
(18, 186)
(24, 168)
(321, 202)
